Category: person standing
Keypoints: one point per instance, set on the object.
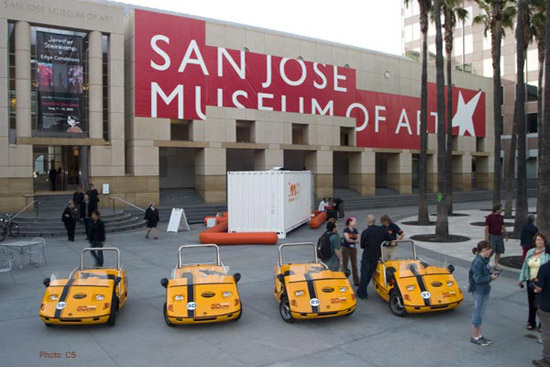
(371, 240)
(93, 195)
(334, 262)
(69, 217)
(349, 248)
(97, 237)
(85, 214)
(534, 259)
(52, 175)
(78, 196)
(339, 207)
(480, 279)
(528, 233)
(322, 205)
(394, 232)
(495, 232)
(542, 289)
(152, 217)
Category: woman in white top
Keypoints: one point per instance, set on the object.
(535, 257)
(322, 205)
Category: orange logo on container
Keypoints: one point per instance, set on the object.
(294, 192)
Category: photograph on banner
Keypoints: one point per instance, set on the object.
(60, 79)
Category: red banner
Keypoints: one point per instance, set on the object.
(177, 75)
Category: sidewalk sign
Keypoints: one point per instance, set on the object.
(175, 223)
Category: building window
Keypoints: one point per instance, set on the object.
(105, 52)
(347, 136)
(532, 123)
(11, 71)
(181, 130)
(299, 134)
(245, 131)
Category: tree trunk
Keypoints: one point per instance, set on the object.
(540, 97)
(496, 37)
(442, 224)
(423, 216)
(543, 198)
(511, 174)
(449, 155)
(522, 207)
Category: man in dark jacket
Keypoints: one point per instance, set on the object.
(93, 195)
(86, 211)
(69, 217)
(527, 233)
(97, 237)
(371, 240)
(52, 175)
(78, 196)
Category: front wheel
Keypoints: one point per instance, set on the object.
(3, 232)
(14, 229)
(114, 308)
(284, 310)
(166, 319)
(396, 304)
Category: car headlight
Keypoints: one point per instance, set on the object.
(343, 289)
(53, 297)
(299, 293)
(227, 294)
(99, 297)
(410, 288)
(178, 298)
(449, 284)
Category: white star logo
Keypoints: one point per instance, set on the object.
(463, 119)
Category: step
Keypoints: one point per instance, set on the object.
(60, 226)
(80, 232)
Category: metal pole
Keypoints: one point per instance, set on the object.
(463, 44)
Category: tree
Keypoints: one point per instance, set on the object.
(423, 216)
(522, 207)
(496, 15)
(453, 12)
(442, 223)
(543, 198)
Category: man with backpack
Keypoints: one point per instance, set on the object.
(328, 248)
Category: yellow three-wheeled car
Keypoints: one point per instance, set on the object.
(201, 293)
(309, 290)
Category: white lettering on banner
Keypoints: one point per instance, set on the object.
(336, 78)
(220, 97)
(236, 94)
(282, 71)
(301, 102)
(261, 97)
(329, 107)
(240, 70)
(160, 52)
(193, 47)
(418, 122)
(267, 82)
(156, 90)
(434, 114)
(283, 103)
(320, 75)
(198, 103)
(362, 108)
(377, 117)
(403, 122)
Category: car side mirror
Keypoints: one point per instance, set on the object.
(237, 277)
(281, 278)
(46, 282)
(164, 282)
(451, 268)
(117, 280)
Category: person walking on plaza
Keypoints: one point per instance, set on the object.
(480, 279)
(152, 217)
(349, 248)
(97, 237)
(52, 175)
(495, 232)
(528, 232)
(371, 240)
(334, 261)
(85, 214)
(394, 232)
(93, 195)
(535, 258)
(542, 289)
(78, 196)
(69, 217)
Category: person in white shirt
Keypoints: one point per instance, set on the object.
(322, 205)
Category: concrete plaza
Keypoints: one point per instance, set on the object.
(372, 336)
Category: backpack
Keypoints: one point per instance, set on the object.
(324, 249)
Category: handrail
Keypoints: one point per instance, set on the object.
(25, 208)
(112, 199)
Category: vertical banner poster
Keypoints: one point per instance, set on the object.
(59, 75)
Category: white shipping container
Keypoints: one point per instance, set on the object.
(268, 201)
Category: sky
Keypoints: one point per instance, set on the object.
(370, 24)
